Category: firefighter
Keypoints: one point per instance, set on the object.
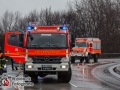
(3, 67)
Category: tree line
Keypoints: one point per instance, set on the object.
(86, 18)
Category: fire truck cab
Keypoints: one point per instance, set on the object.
(44, 50)
(86, 48)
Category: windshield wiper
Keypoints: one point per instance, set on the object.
(53, 45)
(35, 46)
(48, 45)
(56, 46)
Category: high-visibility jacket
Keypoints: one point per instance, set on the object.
(2, 61)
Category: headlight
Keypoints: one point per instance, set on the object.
(29, 66)
(63, 66)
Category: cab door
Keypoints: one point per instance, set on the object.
(13, 47)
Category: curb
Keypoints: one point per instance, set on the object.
(102, 81)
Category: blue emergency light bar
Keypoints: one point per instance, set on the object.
(63, 27)
(31, 25)
(29, 28)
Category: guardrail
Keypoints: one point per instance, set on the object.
(110, 55)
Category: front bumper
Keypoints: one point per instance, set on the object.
(79, 55)
(54, 67)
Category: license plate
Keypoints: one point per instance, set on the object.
(46, 68)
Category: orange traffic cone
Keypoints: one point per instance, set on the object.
(111, 61)
(78, 66)
(83, 63)
(90, 62)
(102, 61)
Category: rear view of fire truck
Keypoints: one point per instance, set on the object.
(86, 49)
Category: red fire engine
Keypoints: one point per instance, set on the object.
(86, 48)
(44, 50)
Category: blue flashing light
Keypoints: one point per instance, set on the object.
(29, 28)
(63, 27)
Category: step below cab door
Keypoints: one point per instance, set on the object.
(13, 46)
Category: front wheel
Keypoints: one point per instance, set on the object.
(95, 58)
(34, 79)
(81, 59)
(87, 59)
(65, 77)
(72, 60)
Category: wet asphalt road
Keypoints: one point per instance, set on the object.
(93, 76)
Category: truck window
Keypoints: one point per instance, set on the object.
(98, 45)
(47, 41)
(80, 44)
(14, 41)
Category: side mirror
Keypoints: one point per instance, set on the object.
(31, 37)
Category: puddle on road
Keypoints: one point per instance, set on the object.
(83, 78)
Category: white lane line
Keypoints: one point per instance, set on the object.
(72, 84)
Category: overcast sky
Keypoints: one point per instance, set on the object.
(25, 6)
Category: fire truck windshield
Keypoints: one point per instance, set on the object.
(47, 41)
(80, 44)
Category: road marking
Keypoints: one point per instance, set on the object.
(72, 84)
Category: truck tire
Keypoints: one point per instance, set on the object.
(34, 78)
(87, 59)
(81, 59)
(72, 60)
(95, 58)
(65, 77)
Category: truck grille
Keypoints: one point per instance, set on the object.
(46, 59)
